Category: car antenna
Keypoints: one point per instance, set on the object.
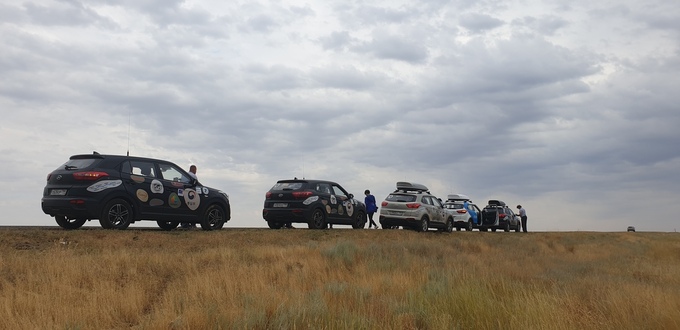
(129, 121)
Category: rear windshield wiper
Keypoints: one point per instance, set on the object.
(70, 167)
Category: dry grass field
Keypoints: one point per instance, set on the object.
(337, 279)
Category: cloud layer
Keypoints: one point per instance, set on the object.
(569, 109)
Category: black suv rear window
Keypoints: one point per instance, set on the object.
(401, 198)
(78, 164)
(287, 186)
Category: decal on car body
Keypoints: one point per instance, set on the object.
(174, 201)
(103, 185)
(310, 200)
(137, 178)
(156, 187)
(350, 208)
(192, 199)
(142, 195)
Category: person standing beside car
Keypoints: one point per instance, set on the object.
(523, 216)
(371, 208)
(192, 174)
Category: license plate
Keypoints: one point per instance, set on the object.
(58, 192)
(280, 204)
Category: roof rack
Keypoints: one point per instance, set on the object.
(408, 186)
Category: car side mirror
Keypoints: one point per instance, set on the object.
(350, 196)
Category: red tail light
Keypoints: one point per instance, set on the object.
(49, 176)
(413, 205)
(77, 202)
(501, 216)
(462, 211)
(89, 176)
(268, 195)
(383, 204)
(302, 194)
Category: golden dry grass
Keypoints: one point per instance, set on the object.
(337, 279)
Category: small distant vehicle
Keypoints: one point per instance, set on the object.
(465, 213)
(497, 215)
(631, 229)
(412, 206)
(120, 190)
(318, 203)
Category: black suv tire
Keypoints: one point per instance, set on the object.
(117, 214)
(360, 222)
(318, 220)
(213, 218)
(167, 225)
(65, 223)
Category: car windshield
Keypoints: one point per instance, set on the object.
(401, 198)
(453, 206)
(287, 186)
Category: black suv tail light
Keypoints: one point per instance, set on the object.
(302, 194)
(89, 176)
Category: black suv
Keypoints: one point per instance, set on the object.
(119, 190)
(497, 215)
(315, 202)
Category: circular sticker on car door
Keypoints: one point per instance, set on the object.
(156, 187)
(192, 199)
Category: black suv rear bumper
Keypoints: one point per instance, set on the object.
(69, 208)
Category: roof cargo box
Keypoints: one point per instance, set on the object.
(457, 197)
(408, 186)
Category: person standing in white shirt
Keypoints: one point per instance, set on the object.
(523, 215)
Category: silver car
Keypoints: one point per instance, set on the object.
(412, 206)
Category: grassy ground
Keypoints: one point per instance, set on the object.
(337, 279)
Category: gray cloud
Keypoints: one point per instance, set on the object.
(479, 22)
(554, 110)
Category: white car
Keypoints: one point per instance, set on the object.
(462, 217)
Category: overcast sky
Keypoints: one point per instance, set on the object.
(570, 108)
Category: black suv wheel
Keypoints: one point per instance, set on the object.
(65, 223)
(360, 221)
(318, 220)
(213, 218)
(167, 225)
(117, 214)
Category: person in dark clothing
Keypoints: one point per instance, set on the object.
(371, 208)
(523, 215)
